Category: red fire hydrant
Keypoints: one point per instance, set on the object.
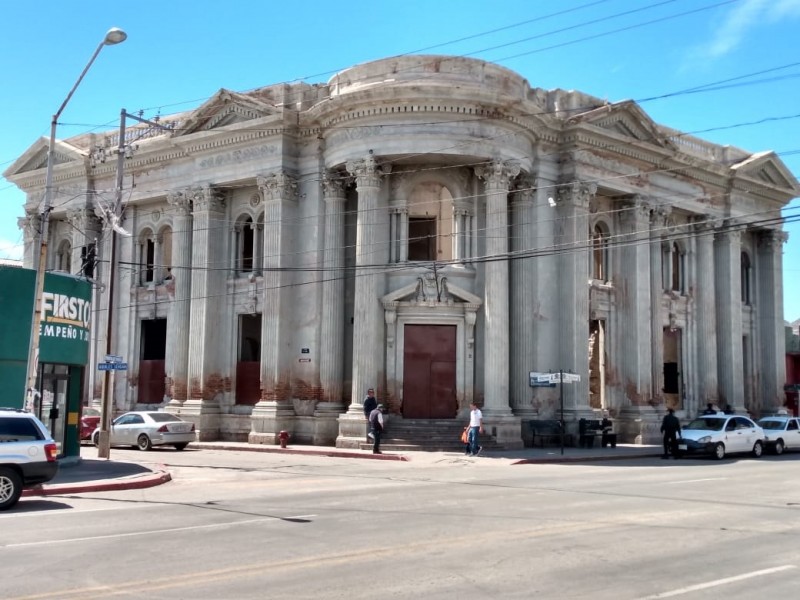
(283, 437)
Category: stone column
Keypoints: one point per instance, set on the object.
(206, 381)
(658, 223)
(30, 225)
(179, 311)
(402, 214)
(772, 369)
(727, 281)
(572, 246)
(332, 342)
(633, 303)
(368, 318)
(274, 412)
(705, 296)
(497, 177)
(523, 276)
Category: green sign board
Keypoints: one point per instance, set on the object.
(65, 328)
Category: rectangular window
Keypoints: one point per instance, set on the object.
(422, 238)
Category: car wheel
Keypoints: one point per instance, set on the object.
(96, 439)
(180, 446)
(719, 451)
(10, 487)
(779, 447)
(758, 449)
(143, 443)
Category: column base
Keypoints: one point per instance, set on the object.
(640, 424)
(206, 416)
(506, 429)
(268, 419)
(326, 423)
(352, 430)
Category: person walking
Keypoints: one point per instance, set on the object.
(475, 428)
(671, 428)
(370, 403)
(376, 427)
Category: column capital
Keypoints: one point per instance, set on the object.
(366, 171)
(181, 202)
(638, 210)
(83, 219)
(524, 190)
(772, 239)
(576, 192)
(729, 233)
(498, 174)
(207, 199)
(333, 185)
(30, 224)
(277, 186)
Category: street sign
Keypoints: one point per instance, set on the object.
(113, 358)
(550, 379)
(571, 378)
(112, 366)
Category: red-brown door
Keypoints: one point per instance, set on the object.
(429, 372)
(152, 382)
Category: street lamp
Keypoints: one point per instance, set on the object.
(113, 36)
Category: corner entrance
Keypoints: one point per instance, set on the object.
(429, 372)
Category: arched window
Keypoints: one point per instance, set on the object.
(146, 256)
(600, 257)
(746, 279)
(430, 223)
(249, 244)
(677, 275)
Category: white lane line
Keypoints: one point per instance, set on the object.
(699, 480)
(138, 533)
(718, 582)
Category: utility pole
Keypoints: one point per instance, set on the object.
(113, 216)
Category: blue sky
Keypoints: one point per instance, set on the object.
(180, 52)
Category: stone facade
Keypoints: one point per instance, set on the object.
(435, 228)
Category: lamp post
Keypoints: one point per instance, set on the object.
(113, 36)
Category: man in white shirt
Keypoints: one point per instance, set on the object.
(475, 427)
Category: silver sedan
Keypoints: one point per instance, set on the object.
(145, 429)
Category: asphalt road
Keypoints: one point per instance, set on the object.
(240, 525)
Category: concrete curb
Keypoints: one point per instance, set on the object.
(582, 459)
(332, 453)
(131, 483)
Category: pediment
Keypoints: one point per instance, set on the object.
(626, 119)
(431, 290)
(767, 168)
(35, 157)
(226, 108)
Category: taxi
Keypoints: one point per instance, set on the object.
(721, 434)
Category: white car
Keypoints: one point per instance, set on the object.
(145, 429)
(721, 434)
(781, 432)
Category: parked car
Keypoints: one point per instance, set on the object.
(145, 429)
(781, 432)
(27, 454)
(90, 420)
(722, 434)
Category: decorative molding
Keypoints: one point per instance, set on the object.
(333, 185)
(498, 175)
(366, 171)
(207, 199)
(280, 186)
(181, 202)
(578, 193)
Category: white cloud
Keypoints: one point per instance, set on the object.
(10, 250)
(742, 19)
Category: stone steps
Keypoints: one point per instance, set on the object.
(441, 435)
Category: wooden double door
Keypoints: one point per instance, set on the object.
(429, 372)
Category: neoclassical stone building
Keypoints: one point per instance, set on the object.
(433, 227)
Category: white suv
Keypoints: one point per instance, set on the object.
(27, 454)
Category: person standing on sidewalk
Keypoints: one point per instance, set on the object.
(671, 428)
(475, 428)
(370, 403)
(376, 428)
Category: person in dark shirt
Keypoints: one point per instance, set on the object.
(370, 404)
(376, 427)
(709, 409)
(671, 428)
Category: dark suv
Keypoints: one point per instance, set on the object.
(27, 454)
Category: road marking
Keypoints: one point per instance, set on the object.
(149, 532)
(699, 480)
(718, 582)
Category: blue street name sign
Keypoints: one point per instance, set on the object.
(115, 366)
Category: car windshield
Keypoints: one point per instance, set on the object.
(161, 417)
(770, 424)
(91, 412)
(710, 424)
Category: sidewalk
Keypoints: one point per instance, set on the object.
(99, 475)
